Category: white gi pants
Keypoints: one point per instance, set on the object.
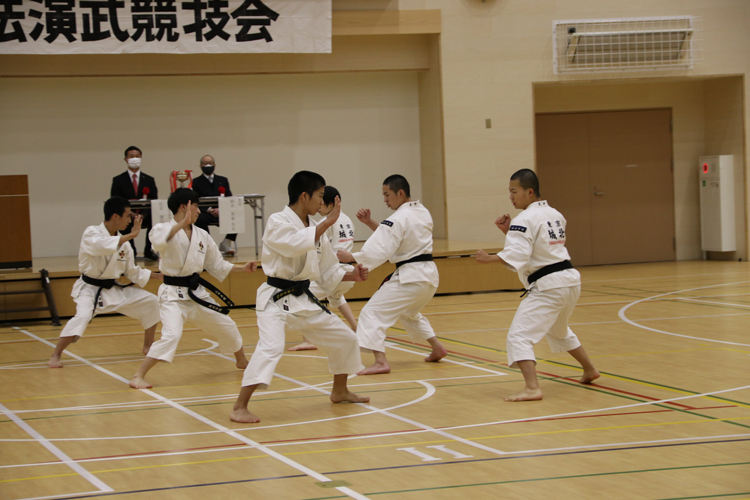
(132, 301)
(395, 301)
(327, 331)
(174, 314)
(336, 298)
(542, 314)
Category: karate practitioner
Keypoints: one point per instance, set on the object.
(341, 236)
(186, 250)
(104, 256)
(296, 251)
(535, 249)
(404, 238)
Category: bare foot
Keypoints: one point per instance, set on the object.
(376, 368)
(304, 346)
(242, 364)
(243, 416)
(525, 395)
(140, 383)
(437, 354)
(54, 362)
(348, 397)
(589, 376)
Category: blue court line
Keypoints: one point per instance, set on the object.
(432, 464)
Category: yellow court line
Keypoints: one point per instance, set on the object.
(358, 448)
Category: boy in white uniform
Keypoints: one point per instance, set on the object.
(404, 238)
(104, 256)
(535, 249)
(186, 250)
(296, 251)
(341, 236)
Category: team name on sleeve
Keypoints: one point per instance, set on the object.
(387, 223)
(521, 229)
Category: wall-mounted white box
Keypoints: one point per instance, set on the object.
(716, 186)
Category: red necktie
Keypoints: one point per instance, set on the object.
(135, 186)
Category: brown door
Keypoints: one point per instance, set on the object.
(610, 174)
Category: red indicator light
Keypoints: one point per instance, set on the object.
(705, 168)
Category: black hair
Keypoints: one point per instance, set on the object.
(132, 148)
(304, 182)
(330, 194)
(397, 183)
(527, 179)
(181, 196)
(115, 205)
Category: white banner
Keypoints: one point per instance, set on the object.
(164, 26)
(231, 215)
(160, 212)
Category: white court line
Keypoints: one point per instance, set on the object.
(395, 346)
(305, 470)
(712, 302)
(219, 397)
(387, 413)
(64, 496)
(65, 459)
(624, 317)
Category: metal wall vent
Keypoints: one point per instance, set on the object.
(602, 45)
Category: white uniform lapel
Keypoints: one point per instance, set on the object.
(111, 260)
(311, 262)
(195, 254)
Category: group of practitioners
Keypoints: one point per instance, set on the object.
(308, 261)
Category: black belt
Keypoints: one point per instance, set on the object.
(192, 282)
(425, 257)
(552, 268)
(295, 288)
(102, 284)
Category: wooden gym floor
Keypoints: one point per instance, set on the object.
(668, 419)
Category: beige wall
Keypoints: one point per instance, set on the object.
(69, 134)
(493, 54)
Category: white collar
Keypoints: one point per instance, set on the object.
(209, 177)
(295, 218)
(137, 174)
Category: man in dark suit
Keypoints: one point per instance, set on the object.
(210, 184)
(135, 185)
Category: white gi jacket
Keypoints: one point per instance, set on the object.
(291, 253)
(99, 257)
(183, 257)
(341, 234)
(536, 238)
(405, 234)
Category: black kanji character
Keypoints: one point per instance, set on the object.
(197, 27)
(92, 29)
(217, 19)
(351, 232)
(342, 234)
(163, 17)
(263, 17)
(561, 232)
(549, 223)
(557, 223)
(6, 15)
(60, 20)
(552, 234)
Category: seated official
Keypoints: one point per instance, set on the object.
(210, 184)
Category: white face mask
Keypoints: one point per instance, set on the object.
(134, 162)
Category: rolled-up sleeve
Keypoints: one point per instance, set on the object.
(94, 244)
(518, 247)
(288, 240)
(381, 245)
(158, 236)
